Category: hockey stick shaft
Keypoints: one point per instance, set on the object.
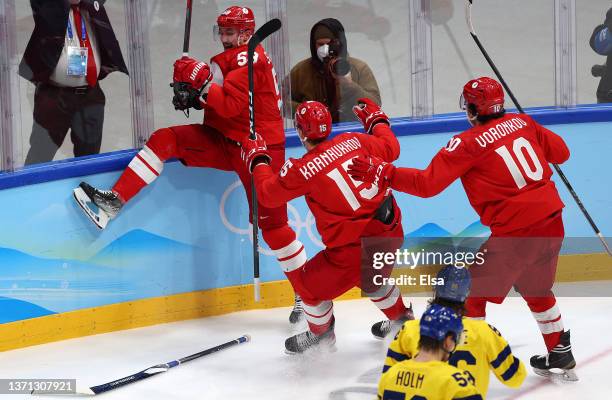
(187, 34)
(260, 35)
(468, 16)
(160, 368)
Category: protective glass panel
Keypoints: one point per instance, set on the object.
(60, 111)
(517, 34)
(593, 48)
(377, 40)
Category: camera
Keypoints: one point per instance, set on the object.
(598, 70)
(337, 64)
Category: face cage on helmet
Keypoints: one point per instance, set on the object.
(462, 102)
(217, 32)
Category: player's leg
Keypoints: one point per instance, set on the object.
(289, 251)
(273, 223)
(493, 279)
(319, 281)
(542, 251)
(194, 145)
(383, 237)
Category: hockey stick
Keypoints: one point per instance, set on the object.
(157, 369)
(181, 88)
(468, 18)
(259, 36)
(187, 34)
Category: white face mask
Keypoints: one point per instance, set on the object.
(323, 51)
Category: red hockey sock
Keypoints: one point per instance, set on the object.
(147, 165)
(548, 317)
(319, 316)
(389, 300)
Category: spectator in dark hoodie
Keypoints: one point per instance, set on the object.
(601, 43)
(330, 75)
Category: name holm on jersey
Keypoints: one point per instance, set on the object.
(318, 163)
(500, 130)
(410, 379)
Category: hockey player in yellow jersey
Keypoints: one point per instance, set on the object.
(483, 349)
(428, 376)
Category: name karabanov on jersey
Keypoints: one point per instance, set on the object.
(499, 131)
(323, 159)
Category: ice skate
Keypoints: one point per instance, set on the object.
(382, 329)
(99, 205)
(559, 363)
(304, 341)
(297, 314)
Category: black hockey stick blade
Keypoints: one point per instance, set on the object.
(259, 36)
(262, 33)
(157, 369)
(568, 185)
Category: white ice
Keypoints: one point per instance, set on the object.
(260, 369)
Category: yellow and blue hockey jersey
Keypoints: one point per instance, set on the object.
(431, 380)
(483, 349)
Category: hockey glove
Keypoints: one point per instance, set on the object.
(190, 78)
(372, 169)
(370, 114)
(255, 152)
(186, 97)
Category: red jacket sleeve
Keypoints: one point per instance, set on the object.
(274, 190)
(382, 143)
(230, 99)
(555, 149)
(444, 169)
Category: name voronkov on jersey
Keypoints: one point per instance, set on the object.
(318, 163)
(499, 131)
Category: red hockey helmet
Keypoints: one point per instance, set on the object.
(313, 119)
(240, 18)
(486, 94)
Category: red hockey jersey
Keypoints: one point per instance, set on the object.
(227, 105)
(503, 166)
(342, 206)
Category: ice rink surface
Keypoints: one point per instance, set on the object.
(261, 370)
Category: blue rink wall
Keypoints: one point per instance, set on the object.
(189, 230)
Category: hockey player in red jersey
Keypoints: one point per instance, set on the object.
(346, 211)
(502, 162)
(221, 89)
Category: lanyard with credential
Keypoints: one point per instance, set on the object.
(83, 30)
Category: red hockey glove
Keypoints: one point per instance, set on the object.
(371, 169)
(196, 73)
(370, 114)
(255, 152)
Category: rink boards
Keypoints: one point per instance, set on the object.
(182, 249)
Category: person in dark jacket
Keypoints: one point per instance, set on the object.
(601, 43)
(73, 47)
(330, 76)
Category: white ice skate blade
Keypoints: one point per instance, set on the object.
(563, 376)
(95, 214)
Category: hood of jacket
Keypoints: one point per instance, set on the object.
(337, 29)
